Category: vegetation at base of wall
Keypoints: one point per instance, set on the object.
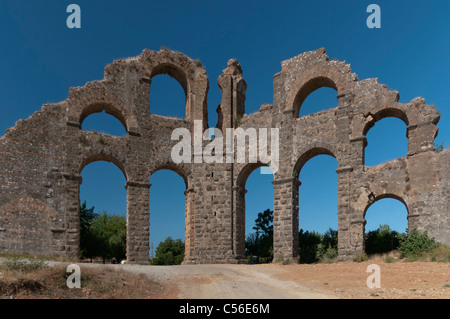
(102, 235)
(12, 255)
(416, 244)
(169, 252)
(441, 253)
(381, 240)
(23, 266)
(282, 260)
(315, 247)
(360, 257)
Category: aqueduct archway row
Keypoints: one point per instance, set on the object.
(41, 158)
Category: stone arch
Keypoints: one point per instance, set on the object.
(174, 168)
(384, 113)
(310, 86)
(373, 199)
(131, 202)
(100, 107)
(189, 193)
(245, 172)
(178, 76)
(103, 157)
(190, 74)
(173, 71)
(372, 119)
(420, 119)
(309, 154)
(100, 96)
(376, 198)
(238, 218)
(317, 71)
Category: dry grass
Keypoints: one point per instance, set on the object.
(98, 283)
(439, 254)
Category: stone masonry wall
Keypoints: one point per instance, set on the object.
(42, 157)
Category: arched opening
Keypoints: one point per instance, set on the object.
(254, 214)
(168, 214)
(168, 92)
(104, 123)
(316, 95)
(386, 137)
(103, 211)
(386, 219)
(319, 100)
(103, 118)
(317, 206)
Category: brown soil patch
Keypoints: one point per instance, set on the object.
(102, 283)
(347, 280)
(399, 280)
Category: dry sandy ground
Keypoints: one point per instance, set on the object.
(405, 280)
(399, 280)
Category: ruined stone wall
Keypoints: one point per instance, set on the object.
(43, 156)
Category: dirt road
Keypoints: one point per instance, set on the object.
(223, 281)
(233, 282)
(418, 280)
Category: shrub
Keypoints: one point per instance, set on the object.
(102, 235)
(330, 238)
(315, 247)
(169, 252)
(309, 246)
(381, 240)
(23, 266)
(331, 253)
(415, 244)
(389, 259)
(360, 257)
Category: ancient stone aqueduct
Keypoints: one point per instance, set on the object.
(42, 157)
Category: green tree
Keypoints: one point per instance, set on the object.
(316, 247)
(381, 240)
(330, 238)
(309, 244)
(260, 243)
(169, 252)
(109, 232)
(87, 216)
(251, 244)
(264, 223)
(102, 235)
(87, 240)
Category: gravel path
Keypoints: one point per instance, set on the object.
(223, 281)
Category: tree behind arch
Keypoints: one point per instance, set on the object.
(169, 252)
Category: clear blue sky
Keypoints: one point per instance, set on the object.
(40, 59)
